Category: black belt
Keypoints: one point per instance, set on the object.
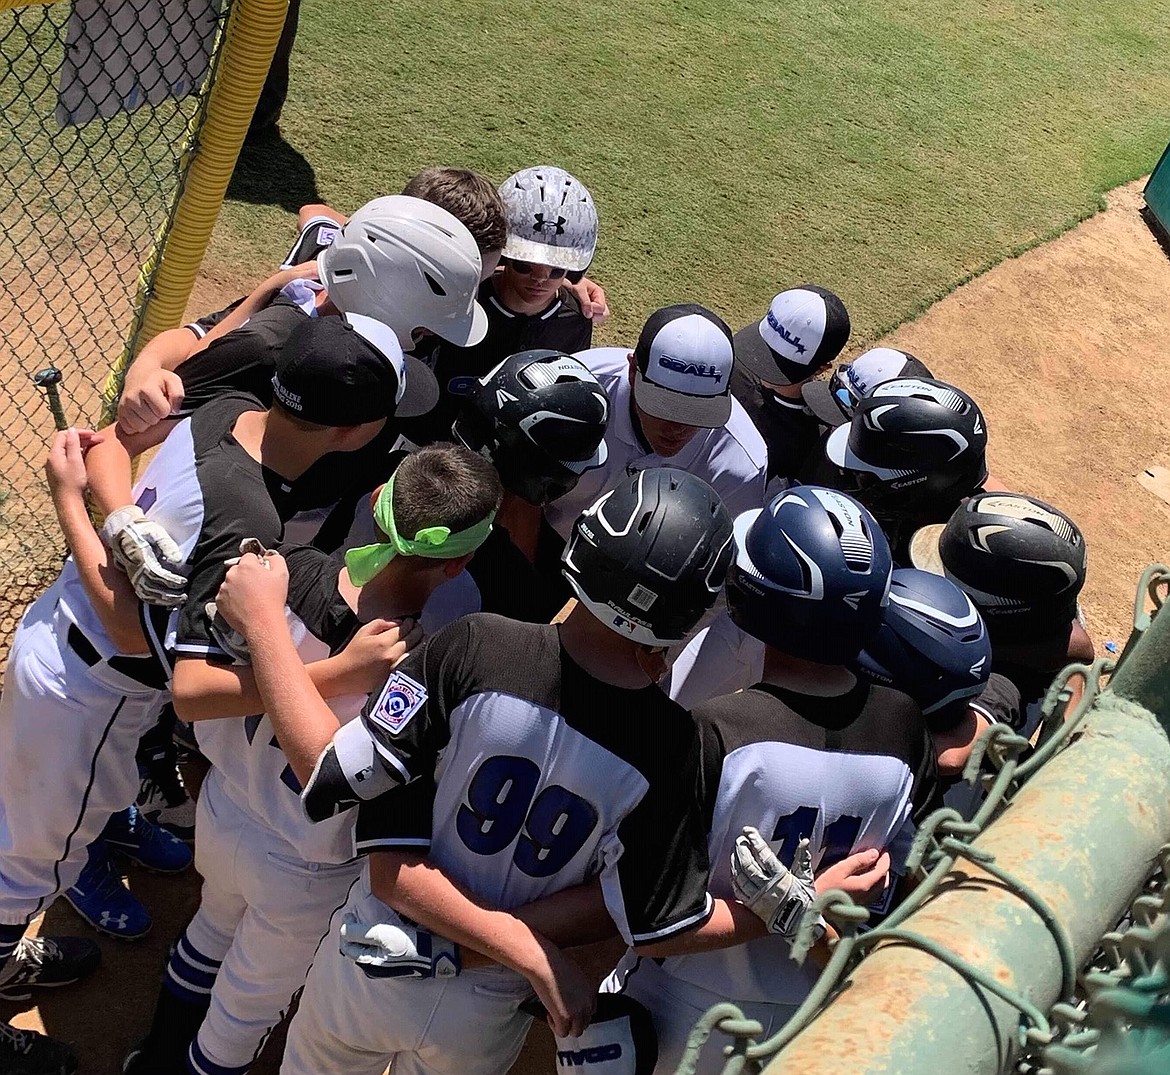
(144, 670)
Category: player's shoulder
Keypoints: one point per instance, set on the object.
(214, 420)
(742, 441)
(745, 716)
(605, 363)
(891, 722)
(485, 641)
(313, 594)
(1000, 701)
(269, 326)
(569, 307)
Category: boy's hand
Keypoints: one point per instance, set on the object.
(396, 948)
(862, 876)
(148, 554)
(375, 651)
(254, 592)
(568, 997)
(148, 398)
(65, 463)
(590, 296)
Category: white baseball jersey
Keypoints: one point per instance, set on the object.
(732, 459)
(78, 706)
(527, 776)
(522, 776)
(720, 659)
(208, 494)
(842, 771)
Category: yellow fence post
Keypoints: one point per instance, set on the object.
(250, 40)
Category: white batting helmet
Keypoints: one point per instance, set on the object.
(410, 264)
(551, 218)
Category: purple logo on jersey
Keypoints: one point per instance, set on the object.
(401, 698)
(146, 499)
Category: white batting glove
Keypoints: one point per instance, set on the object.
(148, 554)
(763, 883)
(397, 949)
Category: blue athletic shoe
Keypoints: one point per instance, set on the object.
(133, 835)
(104, 902)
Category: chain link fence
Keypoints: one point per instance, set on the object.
(98, 101)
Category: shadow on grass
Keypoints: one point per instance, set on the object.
(272, 172)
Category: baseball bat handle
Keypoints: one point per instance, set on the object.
(49, 381)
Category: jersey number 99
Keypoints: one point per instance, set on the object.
(502, 804)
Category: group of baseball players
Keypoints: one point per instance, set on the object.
(494, 645)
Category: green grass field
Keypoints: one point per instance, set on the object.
(886, 149)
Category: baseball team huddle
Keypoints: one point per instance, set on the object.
(495, 645)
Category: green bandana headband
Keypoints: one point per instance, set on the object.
(435, 542)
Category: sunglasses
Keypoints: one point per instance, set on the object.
(526, 267)
(841, 386)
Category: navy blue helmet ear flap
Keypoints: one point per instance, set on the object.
(933, 645)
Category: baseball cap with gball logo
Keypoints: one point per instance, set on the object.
(804, 329)
(832, 401)
(684, 358)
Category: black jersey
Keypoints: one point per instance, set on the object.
(209, 494)
(523, 775)
(561, 327)
(244, 360)
(201, 326)
(317, 235)
(511, 585)
(790, 430)
(502, 580)
(313, 596)
(842, 771)
(248, 762)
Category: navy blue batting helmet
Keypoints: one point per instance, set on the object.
(932, 645)
(811, 574)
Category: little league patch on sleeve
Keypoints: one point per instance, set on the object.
(401, 698)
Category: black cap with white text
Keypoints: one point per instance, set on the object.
(339, 371)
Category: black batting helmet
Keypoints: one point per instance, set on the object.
(1020, 560)
(914, 437)
(649, 558)
(540, 417)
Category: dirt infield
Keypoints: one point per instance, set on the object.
(1066, 348)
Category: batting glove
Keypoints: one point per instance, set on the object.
(148, 554)
(397, 949)
(763, 883)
